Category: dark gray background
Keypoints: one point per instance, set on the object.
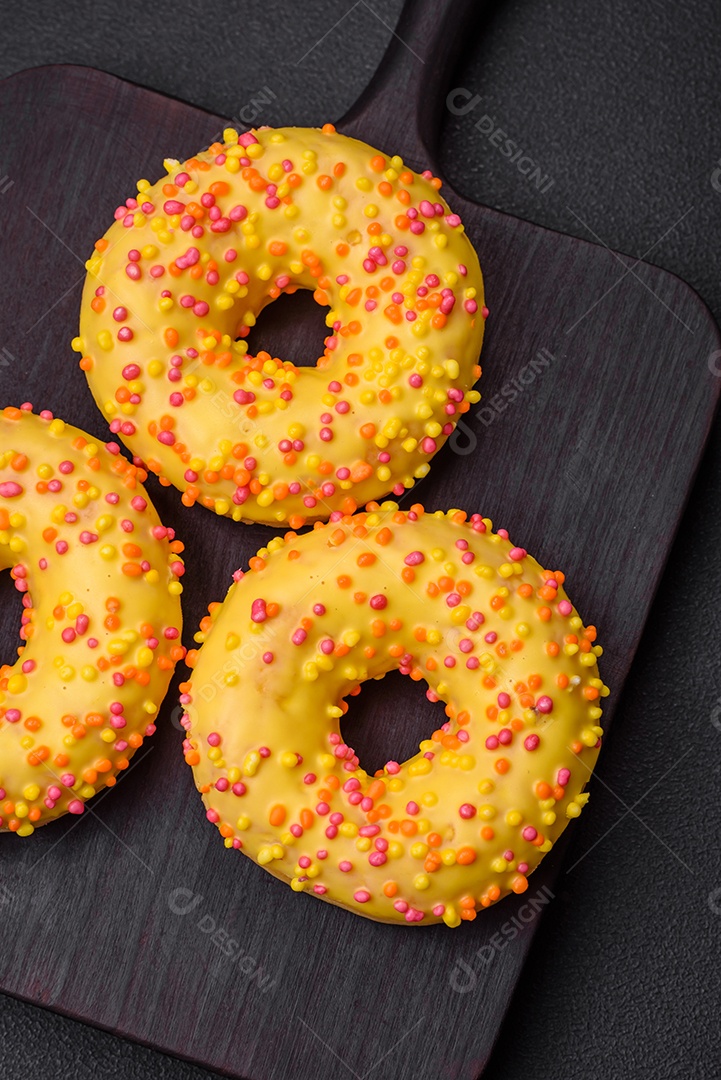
(620, 104)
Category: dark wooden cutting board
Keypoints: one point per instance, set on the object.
(599, 390)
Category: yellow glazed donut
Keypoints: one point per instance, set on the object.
(176, 283)
(442, 599)
(101, 623)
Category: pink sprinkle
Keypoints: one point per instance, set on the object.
(257, 612)
(531, 742)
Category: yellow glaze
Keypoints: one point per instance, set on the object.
(177, 282)
(444, 600)
(98, 574)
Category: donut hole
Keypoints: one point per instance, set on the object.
(388, 719)
(292, 328)
(11, 610)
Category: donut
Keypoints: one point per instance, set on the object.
(101, 620)
(440, 598)
(178, 280)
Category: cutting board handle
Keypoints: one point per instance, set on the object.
(401, 109)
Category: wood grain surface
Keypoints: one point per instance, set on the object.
(598, 394)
